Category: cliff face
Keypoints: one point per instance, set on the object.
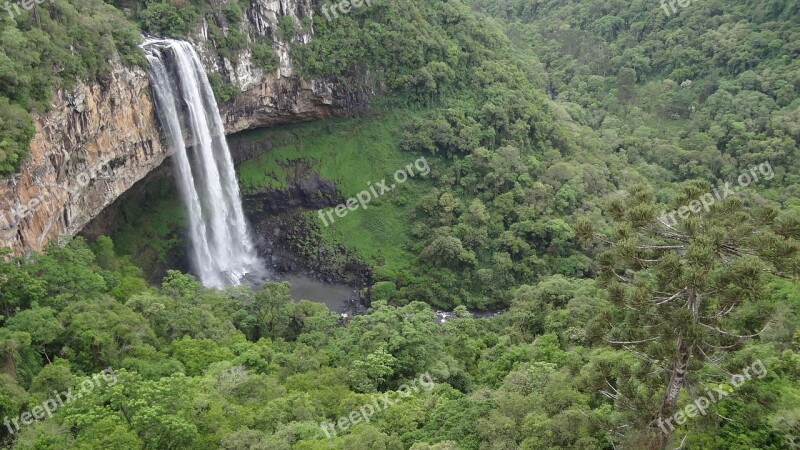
(101, 138)
(96, 142)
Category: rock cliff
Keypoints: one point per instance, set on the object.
(100, 138)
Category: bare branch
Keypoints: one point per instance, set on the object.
(673, 297)
(634, 342)
(720, 347)
(666, 224)
(723, 417)
(660, 247)
(739, 336)
(646, 260)
(676, 236)
(621, 278)
(645, 357)
(714, 362)
(609, 395)
(778, 274)
(722, 313)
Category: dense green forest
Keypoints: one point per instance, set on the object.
(620, 185)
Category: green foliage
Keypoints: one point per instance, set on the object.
(166, 19)
(286, 28)
(698, 283)
(335, 150)
(265, 57)
(655, 85)
(16, 131)
(228, 43)
(233, 12)
(40, 324)
(423, 49)
(382, 290)
(223, 92)
(197, 368)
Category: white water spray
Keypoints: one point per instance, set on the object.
(222, 251)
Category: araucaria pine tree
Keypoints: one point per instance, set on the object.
(689, 292)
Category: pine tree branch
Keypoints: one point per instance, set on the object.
(720, 347)
(644, 357)
(673, 297)
(646, 260)
(660, 247)
(714, 362)
(722, 313)
(675, 236)
(634, 342)
(738, 336)
(621, 278)
(779, 274)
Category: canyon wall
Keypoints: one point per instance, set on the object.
(100, 138)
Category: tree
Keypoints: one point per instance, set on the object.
(156, 413)
(689, 287)
(68, 272)
(108, 432)
(401, 338)
(163, 18)
(625, 82)
(56, 375)
(100, 332)
(16, 132)
(274, 308)
(17, 358)
(370, 372)
(40, 324)
(18, 289)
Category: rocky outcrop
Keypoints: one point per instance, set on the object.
(100, 138)
(281, 100)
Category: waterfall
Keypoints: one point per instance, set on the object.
(222, 251)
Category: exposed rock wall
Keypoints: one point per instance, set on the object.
(100, 138)
(97, 141)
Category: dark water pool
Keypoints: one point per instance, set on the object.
(339, 298)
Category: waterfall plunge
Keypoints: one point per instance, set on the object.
(221, 248)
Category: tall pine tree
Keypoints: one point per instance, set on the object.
(689, 289)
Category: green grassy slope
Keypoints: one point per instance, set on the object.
(352, 153)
